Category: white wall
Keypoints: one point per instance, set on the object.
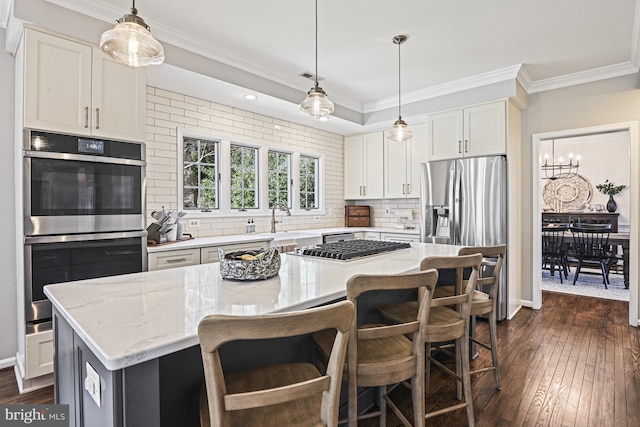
(8, 312)
(593, 104)
(167, 111)
(602, 156)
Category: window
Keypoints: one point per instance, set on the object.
(220, 177)
(279, 165)
(244, 172)
(308, 182)
(200, 169)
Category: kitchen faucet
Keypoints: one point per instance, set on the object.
(273, 215)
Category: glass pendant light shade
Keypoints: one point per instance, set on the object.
(131, 42)
(400, 132)
(317, 104)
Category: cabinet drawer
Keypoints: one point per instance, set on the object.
(210, 254)
(400, 237)
(38, 354)
(172, 259)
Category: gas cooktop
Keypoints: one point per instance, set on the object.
(351, 249)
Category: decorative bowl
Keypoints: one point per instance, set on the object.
(249, 265)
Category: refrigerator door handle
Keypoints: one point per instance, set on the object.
(454, 205)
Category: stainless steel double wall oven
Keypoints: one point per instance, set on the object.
(83, 213)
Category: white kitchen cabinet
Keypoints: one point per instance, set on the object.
(371, 235)
(400, 237)
(363, 166)
(402, 164)
(173, 259)
(474, 131)
(210, 253)
(38, 354)
(72, 87)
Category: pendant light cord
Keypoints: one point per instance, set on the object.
(316, 43)
(399, 83)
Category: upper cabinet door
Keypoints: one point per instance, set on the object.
(374, 165)
(353, 167)
(418, 154)
(72, 87)
(118, 99)
(485, 129)
(363, 166)
(445, 135)
(473, 131)
(57, 84)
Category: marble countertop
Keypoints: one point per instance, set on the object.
(132, 318)
(200, 242)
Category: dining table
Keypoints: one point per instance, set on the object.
(615, 239)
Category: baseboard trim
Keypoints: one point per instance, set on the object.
(8, 362)
(526, 303)
(33, 384)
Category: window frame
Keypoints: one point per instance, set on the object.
(224, 177)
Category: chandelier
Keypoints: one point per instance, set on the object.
(560, 168)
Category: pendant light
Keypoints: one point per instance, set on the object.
(400, 132)
(131, 42)
(317, 104)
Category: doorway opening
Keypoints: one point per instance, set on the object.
(605, 152)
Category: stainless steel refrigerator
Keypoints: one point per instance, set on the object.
(464, 202)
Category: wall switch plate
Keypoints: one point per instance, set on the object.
(92, 384)
(194, 223)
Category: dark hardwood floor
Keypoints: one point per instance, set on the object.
(575, 362)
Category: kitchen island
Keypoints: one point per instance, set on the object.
(138, 332)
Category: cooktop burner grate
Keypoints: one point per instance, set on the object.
(350, 249)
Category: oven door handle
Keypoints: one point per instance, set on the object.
(82, 158)
(83, 237)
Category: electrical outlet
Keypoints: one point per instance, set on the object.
(92, 384)
(194, 223)
(316, 218)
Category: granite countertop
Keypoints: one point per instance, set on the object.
(200, 242)
(132, 318)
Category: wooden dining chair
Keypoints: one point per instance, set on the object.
(448, 320)
(554, 251)
(277, 395)
(381, 354)
(591, 248)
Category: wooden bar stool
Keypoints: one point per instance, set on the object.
(279, 395)
(381, 354)
(484, 301)
(448, 321)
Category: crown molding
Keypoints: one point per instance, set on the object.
(207, 48)
(588, 76)
(5, 11)
(446, 88)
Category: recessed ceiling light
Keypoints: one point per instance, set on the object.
(250, 97)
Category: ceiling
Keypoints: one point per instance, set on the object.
(451, 45)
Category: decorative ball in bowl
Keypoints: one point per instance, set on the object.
(249, 265)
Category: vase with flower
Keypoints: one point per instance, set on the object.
(610, 189)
